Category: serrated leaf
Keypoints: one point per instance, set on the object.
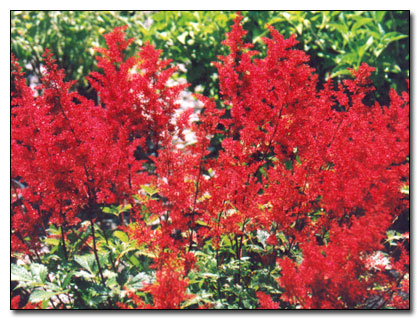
(84, 274)
(138, 281)
(85, 262)
(39, 271)
(19, 273)
(41, 295)
(262, 236)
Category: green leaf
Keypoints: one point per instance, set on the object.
(134, 261)
(144, 252)
(149, 189)
(201, 223)
(340, 27)
(348, 58)
(288, 164)
(138, 281)
(53, 230)
(19, 273)
(126, 208)
(262, 236)
(86, 262)
(362, 49)
(210, 275)
(360, 22)
(108, 210)
(379, 15)
(67, 279)
(84, 274)
(52, 241)
(202, 297)
(39, 271)
(340, 72)
(41, 295)
(181, 37)
(121, 236)
(393, 36)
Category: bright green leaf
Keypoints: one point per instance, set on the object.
(41, 295)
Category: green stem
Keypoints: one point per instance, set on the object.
(97, 259)
(63, 241)
(96, 252)
(110, 251)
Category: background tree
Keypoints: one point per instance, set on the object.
(335, 40)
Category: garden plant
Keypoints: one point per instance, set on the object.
(292, 194)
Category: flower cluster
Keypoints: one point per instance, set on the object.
(318, 167)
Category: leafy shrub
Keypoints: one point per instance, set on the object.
(335, 40)
(303, 205)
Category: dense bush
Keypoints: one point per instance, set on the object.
(293, 193)
(335, 40)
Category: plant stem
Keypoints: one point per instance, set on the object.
(195, 197)
(106, 240)
(64, 242)
(96, 252)
(97, 259)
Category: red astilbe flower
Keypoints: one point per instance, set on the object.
(168, 289)
(137, 302)
(323, 167)
(139, 104)
(289, 151)
(48, 153)
(15, 304)
(168, 292)
(72, 155)
(266, 302)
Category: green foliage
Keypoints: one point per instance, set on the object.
(335, 40)
(194, 39)
(226, 278)
(71, 272)
(338, 40)
(70, 35)
(74, 280)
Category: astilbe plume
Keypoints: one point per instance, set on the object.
(323, 168)
(69, 155)
(323, 151)
(266, 302)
